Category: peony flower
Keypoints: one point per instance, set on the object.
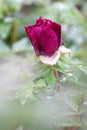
(46, 39)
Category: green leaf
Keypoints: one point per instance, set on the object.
(25, 93)
(62, 59)
(41, 72)
(65, 113)
(50, 79)
(62, 67)
(40, 83)
(59, 68)
(74, 99)
(67, 121)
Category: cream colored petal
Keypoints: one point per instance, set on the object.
(50, 60)
(54, 58)
(64, 50)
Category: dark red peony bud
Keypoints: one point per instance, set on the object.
(45, 36)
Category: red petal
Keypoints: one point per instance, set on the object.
(48, 42)
(57, 28)
(33, 38)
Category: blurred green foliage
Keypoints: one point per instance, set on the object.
(15, 15)
(28, 98)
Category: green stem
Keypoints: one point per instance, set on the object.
(58, 87)
(61, 93)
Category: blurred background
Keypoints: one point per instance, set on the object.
(16, 58)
